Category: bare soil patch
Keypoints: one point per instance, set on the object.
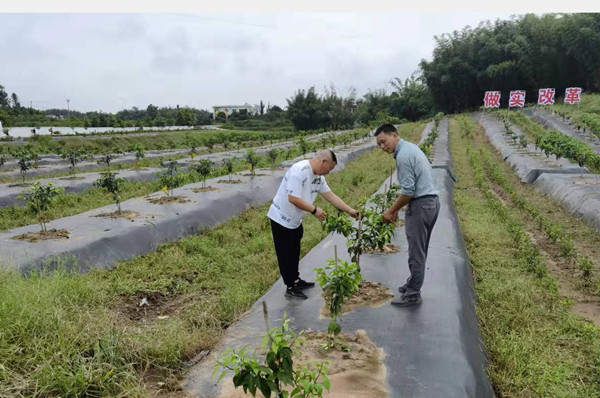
(150, 306)
(43, 235)
(359, 373)
(230, 181)
(205, 189)
(387, 248)
(128, 214)
(168, 199)
(369, 294)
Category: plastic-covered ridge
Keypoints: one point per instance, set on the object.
(98, 242)
(431, 350)
(529, 163)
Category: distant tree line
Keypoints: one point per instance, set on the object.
(13, 114)
(527, 53)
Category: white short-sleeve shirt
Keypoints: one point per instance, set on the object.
(299, 181)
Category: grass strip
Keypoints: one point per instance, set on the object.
(536, 347)
(86, 335)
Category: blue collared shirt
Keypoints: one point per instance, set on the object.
(415, 174)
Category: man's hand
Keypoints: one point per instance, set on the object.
(390, 216)
(354, 214)
(320, 214)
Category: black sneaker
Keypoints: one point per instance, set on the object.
(405, 301)
(295, 293)
(402, 289)
(302, 284)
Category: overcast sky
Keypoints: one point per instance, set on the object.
(108, 62)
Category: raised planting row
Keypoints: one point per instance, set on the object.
(555, 143)
(202, 167)
(137, 148)
(576, 191)
(81, 181)
(99, 238)
(70, 204)
(528, 161)
(26, 132)
(27, 161)
(165, 140)
(426, 351)
(552, 122)
(130, 330)
(528, 288)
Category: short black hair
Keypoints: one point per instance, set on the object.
(333, 157)
(386, 129)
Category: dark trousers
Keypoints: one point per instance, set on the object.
(287, 248)
(420, 217)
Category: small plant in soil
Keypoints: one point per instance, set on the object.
(108, 156)
(303, 145)
(203, 167)
(252, 158)
(229, 163)
(75, 155)
(269, 376)
(112, 185)
(139, 151)
(210, 144)
(3, 154)
(339, 280)
(39, 198)
(523, 142)
(332, 139)
(272, 156)
(323, 141)
(25, 159)
(171, 178)
(192, 144)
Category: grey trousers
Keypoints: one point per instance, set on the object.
(420, 217)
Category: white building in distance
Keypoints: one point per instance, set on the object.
(229, 109)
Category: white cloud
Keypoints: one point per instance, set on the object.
(113, 61)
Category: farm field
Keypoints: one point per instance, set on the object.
(98, 311)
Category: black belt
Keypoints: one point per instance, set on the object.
(423, 197)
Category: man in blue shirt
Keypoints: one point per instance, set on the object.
(419, 191)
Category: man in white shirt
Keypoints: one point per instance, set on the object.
(294, 200)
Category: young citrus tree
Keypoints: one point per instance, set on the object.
(39, 198)
(252, 158)
(26, 159)
(229, 164)
(75, 155)
(339, 279)
(203, 167)
(277, 370)
(108, 156)
(272, 156)
(303, 145)
(171, 178)
(140, 152)
(112, 185)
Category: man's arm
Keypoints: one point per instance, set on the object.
(306, 206)
(391, 214)
(339, 203)
(300, 203)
